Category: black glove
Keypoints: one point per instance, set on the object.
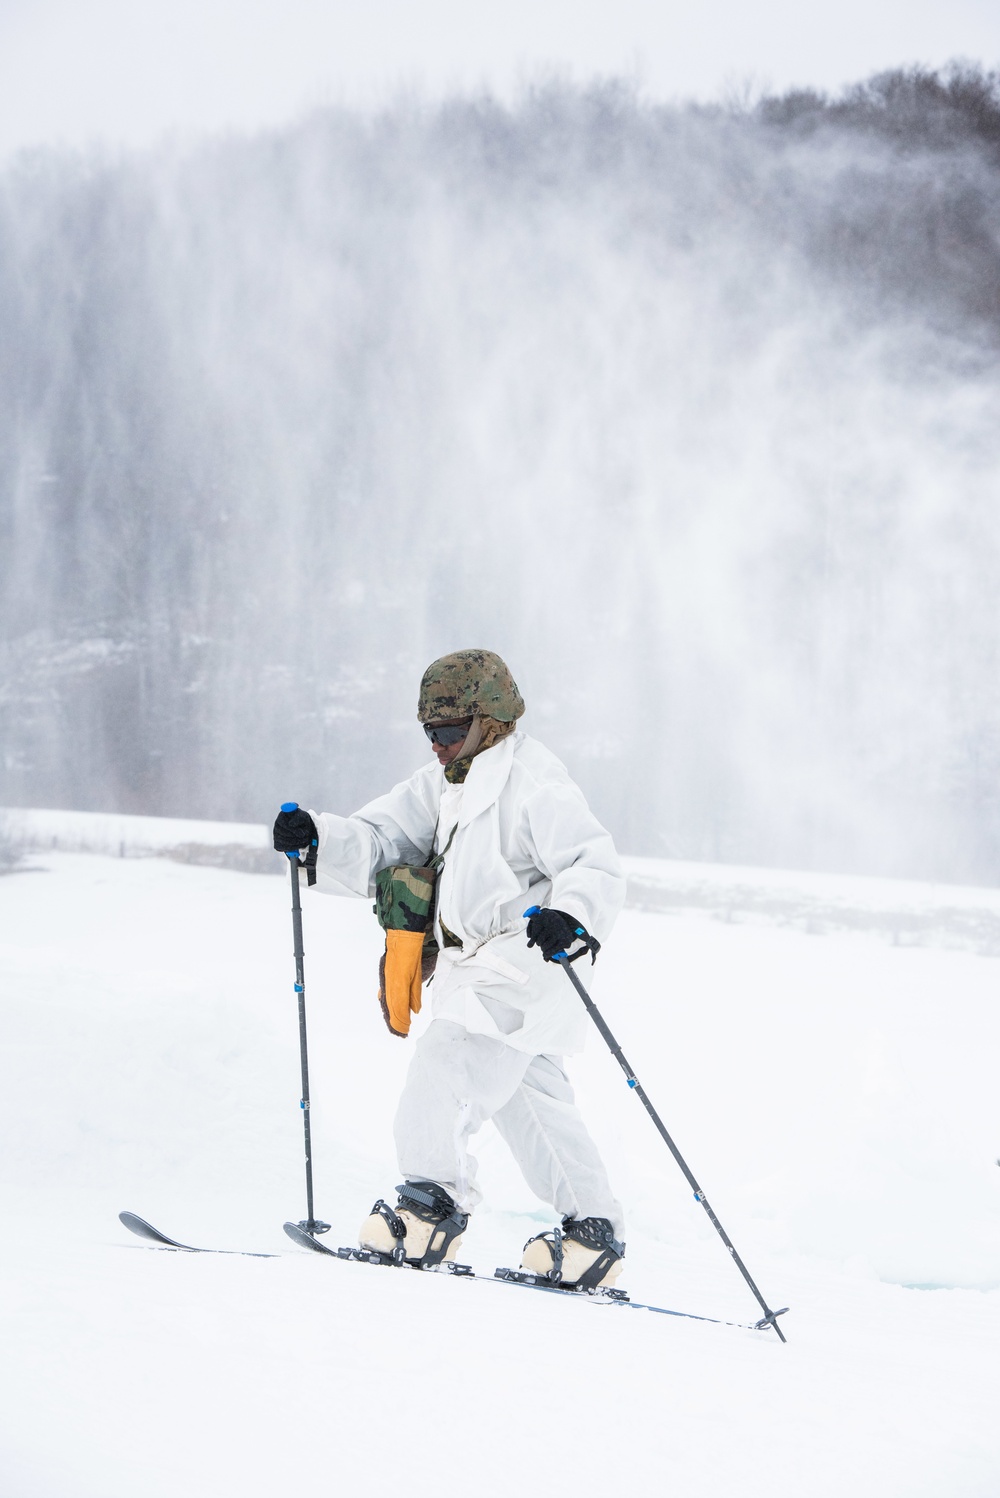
(294, 830)
(553, 931)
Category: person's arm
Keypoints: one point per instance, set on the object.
(395, 828)
(573, 850)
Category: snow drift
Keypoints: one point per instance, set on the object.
(834, 1095)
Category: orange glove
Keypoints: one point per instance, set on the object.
(399, 979)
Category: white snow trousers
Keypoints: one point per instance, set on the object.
(456, 1081)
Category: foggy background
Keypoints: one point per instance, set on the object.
(126, 71)
(691, 412)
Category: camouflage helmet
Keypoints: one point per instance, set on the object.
(469, 683)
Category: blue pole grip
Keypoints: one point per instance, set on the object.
(531, 910)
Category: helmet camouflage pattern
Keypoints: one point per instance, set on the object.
(469, 683)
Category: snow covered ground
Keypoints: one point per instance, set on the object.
(835, 1094)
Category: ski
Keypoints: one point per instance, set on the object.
(304, 1239)
(509, 1277)
(621, 1298)
(144, 1229)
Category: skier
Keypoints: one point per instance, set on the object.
(509, 830)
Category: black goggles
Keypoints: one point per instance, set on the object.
(447, 734)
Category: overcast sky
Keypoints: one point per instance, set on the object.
(129, 70)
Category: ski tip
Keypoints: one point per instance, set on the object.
(139, 1225)
(144, 1229)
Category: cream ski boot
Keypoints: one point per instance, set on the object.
(583, 1254)
(425, 1229)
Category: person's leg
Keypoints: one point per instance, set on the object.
(549, 1140)
(456, 1081)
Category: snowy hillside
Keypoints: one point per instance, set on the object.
(834, 1093)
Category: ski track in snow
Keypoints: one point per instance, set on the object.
(835, 1097)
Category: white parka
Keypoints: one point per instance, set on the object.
(524, 836)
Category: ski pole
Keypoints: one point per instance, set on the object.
(312, 1224)
(769, 1318)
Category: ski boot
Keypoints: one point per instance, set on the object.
(583, 1254)
(425, 1229)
